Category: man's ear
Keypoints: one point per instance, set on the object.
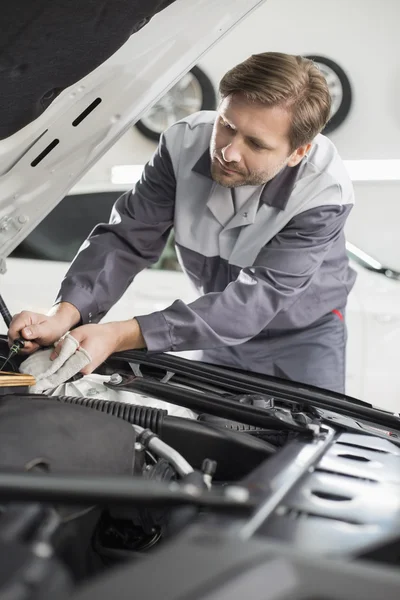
(298, 155)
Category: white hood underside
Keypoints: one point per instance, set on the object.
(41, 162)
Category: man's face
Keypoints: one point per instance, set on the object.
(250, 143)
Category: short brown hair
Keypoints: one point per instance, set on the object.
(292, 82)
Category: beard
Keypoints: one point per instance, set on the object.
(231, 176)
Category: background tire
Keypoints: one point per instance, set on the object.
(340, 88)
(192, 93)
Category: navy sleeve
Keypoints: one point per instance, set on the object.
(133, 239)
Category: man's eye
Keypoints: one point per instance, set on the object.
(226, 125)
(257, 146)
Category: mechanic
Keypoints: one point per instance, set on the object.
(258, 200)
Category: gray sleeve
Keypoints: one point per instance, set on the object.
(133, 239)
(283, 270)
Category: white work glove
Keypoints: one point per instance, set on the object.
(51, 373)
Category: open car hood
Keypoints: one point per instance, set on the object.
(75, 76)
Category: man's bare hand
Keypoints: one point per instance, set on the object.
(102, 340)
(42, 330)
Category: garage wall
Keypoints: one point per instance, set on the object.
(363, 37)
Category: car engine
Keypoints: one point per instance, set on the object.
(266, 472)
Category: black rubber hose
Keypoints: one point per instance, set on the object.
(5, 313)
(145, 416)
(122, 490)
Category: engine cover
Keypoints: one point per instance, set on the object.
(349, 500)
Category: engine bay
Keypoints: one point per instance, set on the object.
(88, 483)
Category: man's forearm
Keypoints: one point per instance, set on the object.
(127, 335)
(66, 313)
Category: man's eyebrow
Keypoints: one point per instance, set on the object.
(259, 142)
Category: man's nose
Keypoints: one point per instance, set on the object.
(231, 153)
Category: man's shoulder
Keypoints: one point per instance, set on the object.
(324, 161)
(322, 179)
(198, 124)
(202, 118)
(190, 136)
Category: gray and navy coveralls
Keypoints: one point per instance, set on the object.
(271, 269)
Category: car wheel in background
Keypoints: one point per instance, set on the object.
(340, 89)
(192, 93)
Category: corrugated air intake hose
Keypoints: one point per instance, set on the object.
(144, 416)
